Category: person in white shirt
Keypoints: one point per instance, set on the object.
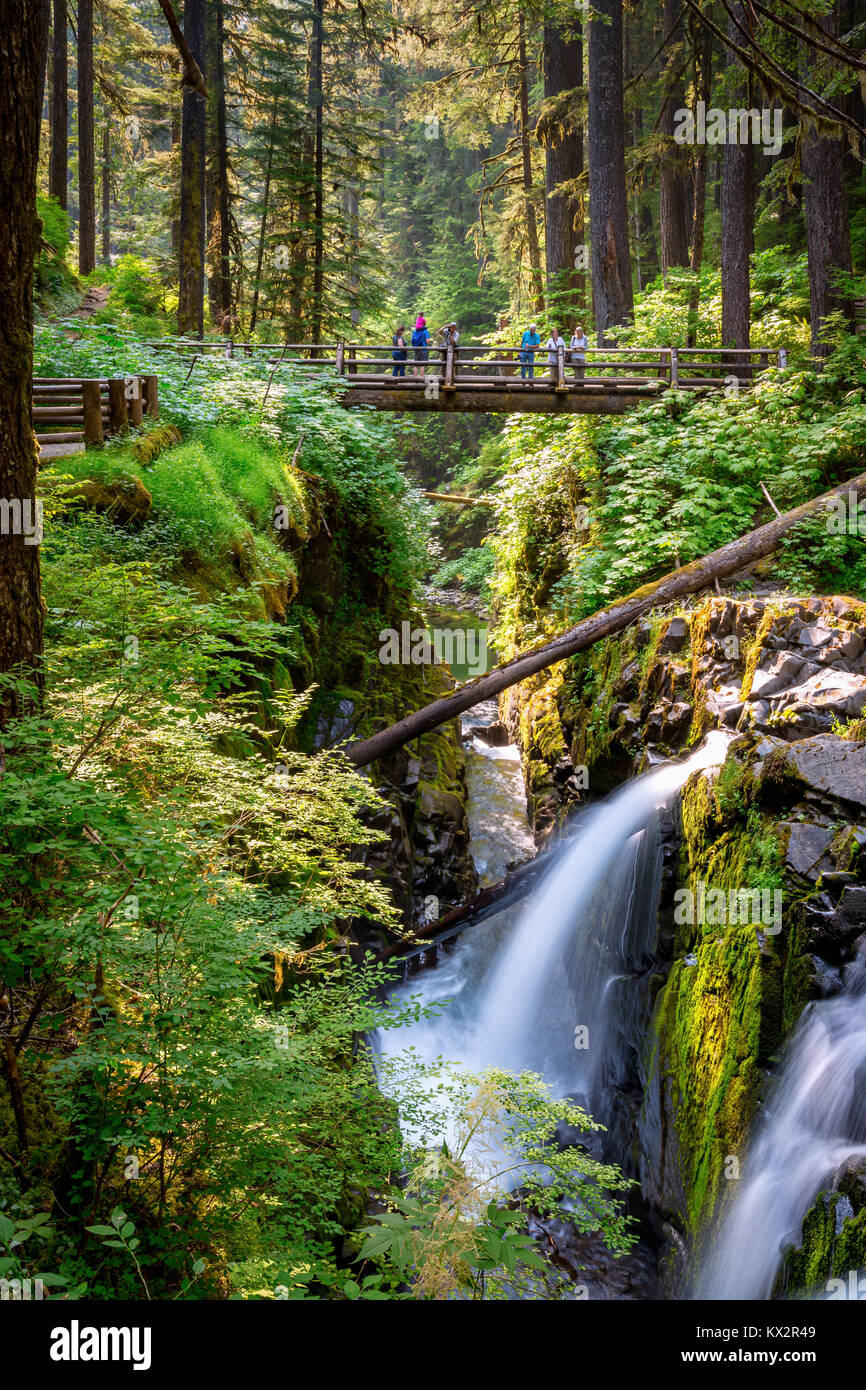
(577, 352)
(553, 346)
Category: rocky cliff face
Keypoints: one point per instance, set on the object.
(784, 818)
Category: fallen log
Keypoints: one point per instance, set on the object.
(483, 905)
(687, 580)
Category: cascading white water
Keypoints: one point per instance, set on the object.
(523, 982)
(546, 1005)
(814, 1121)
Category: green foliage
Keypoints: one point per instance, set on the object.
(138, 299)
(52, 278)
(453, 1231)
(472, 570)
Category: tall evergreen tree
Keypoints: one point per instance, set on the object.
(613, 297)
(58, 167)
(561, 133)
(191, 277)
(86, 138)
(21, 620)
(675, 187)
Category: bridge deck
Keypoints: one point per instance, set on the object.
(493, 394)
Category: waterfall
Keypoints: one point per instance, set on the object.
(548, 1005)
(538, 988)
(814, 1121)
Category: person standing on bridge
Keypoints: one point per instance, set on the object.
(420, 339)
(553, 347)
(577, 352)
(448, 337)
(400, 353)
(528, 343)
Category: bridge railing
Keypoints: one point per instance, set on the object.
(486, 365)
(71, 412)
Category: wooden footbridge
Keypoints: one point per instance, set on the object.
(485, 378)
(477, 377)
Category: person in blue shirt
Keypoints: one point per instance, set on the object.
(528, 343)
(420, 339)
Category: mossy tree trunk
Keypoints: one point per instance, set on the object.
(86, 137)
(218, 197)
(21, 613)
(613, 297)
(190, 305)
(563, 163)
(738, 216)
(59, 159)
(675, 193)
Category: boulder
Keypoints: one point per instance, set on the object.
(831, 764)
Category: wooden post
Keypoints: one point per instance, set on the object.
(675, 367)
(118, 419)
(560, 367)
(449, 368)
(352, 368)
(783, 359)
(151, 396)
(91, 401)
(341, 357)
(134, 403)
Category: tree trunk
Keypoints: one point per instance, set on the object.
(190, 305)
(675, 193)
(317, 80)
(526, 166)
(825, 209)
(702, 76)
(687, 580)
(218, 201)
(21, 613)
(43, 61)
(262, 233)
(59, 158)
(608, 202)
(738, 216)
(106, 193)
(563, 162)
(175, 201)
(825, 206)
(86, 136)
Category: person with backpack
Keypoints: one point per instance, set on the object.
(577, 352)
(528, 343)
(420, 339)
(400, 353)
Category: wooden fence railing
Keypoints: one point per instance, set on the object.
(478, 364)
(482, 363)
(71, 412)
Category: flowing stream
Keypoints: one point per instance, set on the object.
(539, 987)
(556, 984)
(815, 1120)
